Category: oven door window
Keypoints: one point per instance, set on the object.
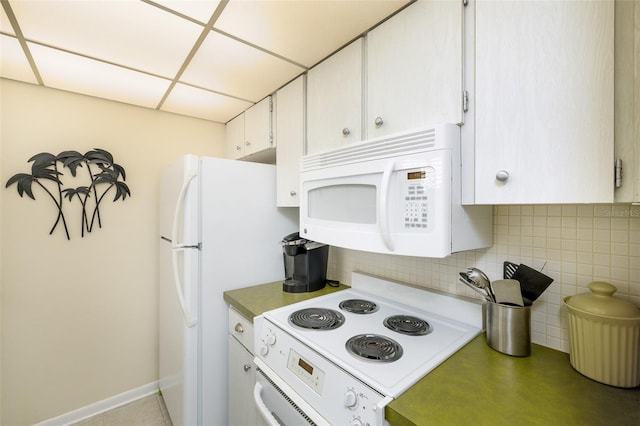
(345, 203)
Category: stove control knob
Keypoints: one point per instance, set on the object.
(350, 399)
(264, 350)
(356, 422)
(271, 339)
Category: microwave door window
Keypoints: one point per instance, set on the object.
(347, 203)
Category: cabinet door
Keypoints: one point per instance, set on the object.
(235, 137)
(334, 100)
(414, 68)
(257, 127)
(290, 139)
(544, 102)
(242, 378)
(627, 96)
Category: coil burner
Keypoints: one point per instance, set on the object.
(317, 318)
(374, 347)
(358, 306)
(407, 324)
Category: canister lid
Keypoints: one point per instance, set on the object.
(601, 302)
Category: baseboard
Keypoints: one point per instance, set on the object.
(101, 406)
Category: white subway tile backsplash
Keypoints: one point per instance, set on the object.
(576, 244)
(584, 233)
(601, 223)
(554, 210)
(584, 210)
(601, 247)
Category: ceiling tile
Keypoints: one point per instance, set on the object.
(13, 62)
(5, 25)
(126, 32)
(77, 46)
(78, 74)
(303, 31)
(228, 66)
(199, 10)
(188, 100)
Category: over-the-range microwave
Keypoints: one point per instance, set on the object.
(397, 194)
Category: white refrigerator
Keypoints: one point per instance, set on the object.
(220, 230)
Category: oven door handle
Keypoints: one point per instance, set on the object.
(262, 407)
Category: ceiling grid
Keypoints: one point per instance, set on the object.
(209, 59)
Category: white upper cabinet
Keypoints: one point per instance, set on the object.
(334, 100)
(409, 75)
(257, 127)
(235, 137)
(543, 102)
(414, 69)
(289, 112)
(249, 135)
(627, 95)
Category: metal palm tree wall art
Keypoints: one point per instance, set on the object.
(102, 173)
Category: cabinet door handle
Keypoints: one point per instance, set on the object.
(247, 143)
(238, 147)
(292, 193)
(246, 368)
(239, 328)
(346, 131)
(502, 176)
(378, 121)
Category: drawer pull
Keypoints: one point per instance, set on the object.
(239, 328)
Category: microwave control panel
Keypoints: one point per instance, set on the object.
(418, 188)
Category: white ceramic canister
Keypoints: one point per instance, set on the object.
(604, 333)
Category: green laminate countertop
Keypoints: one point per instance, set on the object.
(253, 301)
(480, 386)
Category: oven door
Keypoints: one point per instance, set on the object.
(278, 405)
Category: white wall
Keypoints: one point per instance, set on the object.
(79, 317)
(1, 262)
(576, 244)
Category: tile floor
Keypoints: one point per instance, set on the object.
(147, 411)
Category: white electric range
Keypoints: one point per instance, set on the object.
(342, 357)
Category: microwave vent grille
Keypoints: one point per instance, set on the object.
(374, 149)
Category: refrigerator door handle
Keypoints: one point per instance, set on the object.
(177, 212)
(189, 321)
(175, 246)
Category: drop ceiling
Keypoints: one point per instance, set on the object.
(205, 59)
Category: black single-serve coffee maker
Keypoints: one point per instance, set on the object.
(305, 264)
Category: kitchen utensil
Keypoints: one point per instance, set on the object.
(481, 280)
(465, 280)
(532, 283)
(507, 292)
(508, 269)
(509, 328)
(604, 334)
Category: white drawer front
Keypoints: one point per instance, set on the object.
(241, 328)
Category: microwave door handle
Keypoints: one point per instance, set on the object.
(383, 203)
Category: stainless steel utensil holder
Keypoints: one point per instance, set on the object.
(509, 328)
